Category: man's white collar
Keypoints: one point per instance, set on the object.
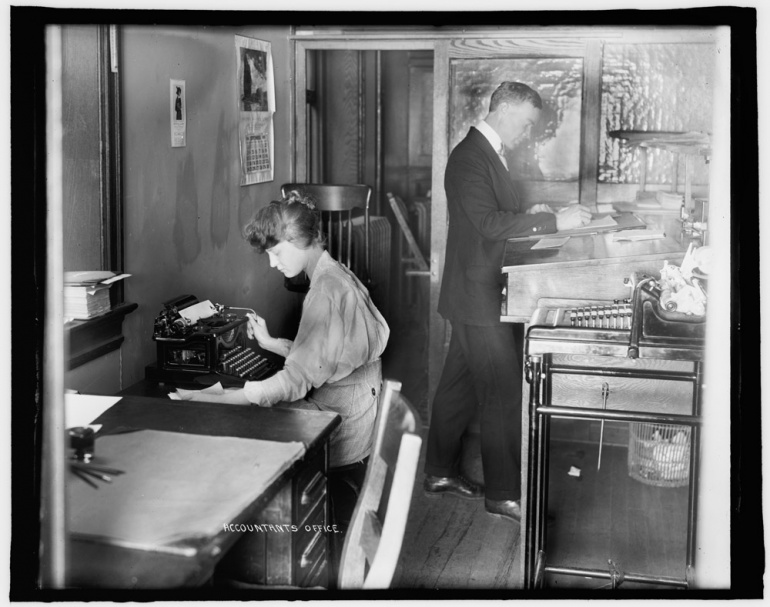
(491, 135)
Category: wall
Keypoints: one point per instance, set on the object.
(184, 207)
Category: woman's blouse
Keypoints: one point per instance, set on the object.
(340, 331)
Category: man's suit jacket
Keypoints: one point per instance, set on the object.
(485, 209)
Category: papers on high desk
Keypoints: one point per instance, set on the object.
(637, 235)
(550, 243)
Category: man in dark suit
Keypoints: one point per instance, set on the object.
(484, 362)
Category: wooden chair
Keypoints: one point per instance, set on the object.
(376, 532)
(413, 262)
(337, 203)
(419, 267)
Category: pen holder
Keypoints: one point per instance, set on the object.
(82, 441)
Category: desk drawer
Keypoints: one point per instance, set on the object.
(310, 546)
(309, 488)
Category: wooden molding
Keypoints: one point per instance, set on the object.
(95, 337)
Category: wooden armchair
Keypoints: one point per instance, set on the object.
(376, 531)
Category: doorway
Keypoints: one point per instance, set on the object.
(369, 118)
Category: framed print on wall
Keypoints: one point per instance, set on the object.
(256, 106)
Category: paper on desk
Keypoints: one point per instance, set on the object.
(550, 243)
(602, 222)
(177, 489)
(82, 409)
(637, 235)
(215, 389)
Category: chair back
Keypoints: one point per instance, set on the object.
(376, 531)
(336, 203)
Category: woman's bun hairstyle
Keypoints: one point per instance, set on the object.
(293, 218)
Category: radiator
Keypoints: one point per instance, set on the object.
(421, 226)
(379, 258)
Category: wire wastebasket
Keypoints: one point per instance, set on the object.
(659, 454)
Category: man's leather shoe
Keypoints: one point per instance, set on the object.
(504, 508)
(435, 486)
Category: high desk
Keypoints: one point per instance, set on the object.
(594, 268)
(294, 495)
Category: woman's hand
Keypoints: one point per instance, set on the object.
(257, 329)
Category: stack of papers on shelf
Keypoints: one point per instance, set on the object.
(87, 294)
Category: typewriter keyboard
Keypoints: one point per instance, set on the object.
(245, 363)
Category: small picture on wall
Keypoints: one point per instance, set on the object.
(178, 114)
(254, 80)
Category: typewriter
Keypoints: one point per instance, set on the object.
(206, 343)
(637, 327)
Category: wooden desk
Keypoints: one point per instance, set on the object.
(585, 267)
(297, 496)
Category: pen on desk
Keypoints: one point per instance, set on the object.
(93, 473)
(104, 469)
(83, 477)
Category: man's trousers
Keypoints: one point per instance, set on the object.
(483, 369)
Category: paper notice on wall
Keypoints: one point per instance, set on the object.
(256, 105)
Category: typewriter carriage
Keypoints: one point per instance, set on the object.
(216, 344)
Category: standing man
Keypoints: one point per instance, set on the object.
(484, 362)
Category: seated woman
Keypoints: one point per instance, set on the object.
(333, 364)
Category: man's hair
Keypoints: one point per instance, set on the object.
(514, 93)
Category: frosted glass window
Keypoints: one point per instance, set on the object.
(553, 152)
(653, 87)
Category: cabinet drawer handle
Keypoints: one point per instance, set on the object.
(309, 492)
(306, 560)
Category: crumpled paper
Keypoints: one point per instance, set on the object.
(681, 290)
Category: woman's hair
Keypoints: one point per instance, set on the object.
(293, 219)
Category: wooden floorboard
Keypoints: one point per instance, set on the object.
(453, 543)
(609, 515)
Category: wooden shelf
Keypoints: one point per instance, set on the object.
(95, 337)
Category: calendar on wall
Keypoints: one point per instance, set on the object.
(257, 153)
(256, 106)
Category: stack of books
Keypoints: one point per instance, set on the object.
(87, 294)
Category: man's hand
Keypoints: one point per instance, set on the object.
(573, 216)
(539, 208)
(257, 329)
